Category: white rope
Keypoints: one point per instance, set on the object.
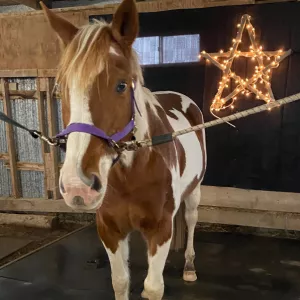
(236, 116)
(240, 115)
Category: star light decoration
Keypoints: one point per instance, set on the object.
(266, 61)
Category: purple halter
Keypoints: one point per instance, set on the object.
(93, 130)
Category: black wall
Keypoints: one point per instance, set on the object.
(263, 151)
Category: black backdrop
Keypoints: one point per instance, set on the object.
(263, 152)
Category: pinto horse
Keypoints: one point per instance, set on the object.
(104, 101)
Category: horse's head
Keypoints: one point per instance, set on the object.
(97, 70)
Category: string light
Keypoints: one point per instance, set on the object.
(245, 86)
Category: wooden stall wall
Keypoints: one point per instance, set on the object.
(263, 151)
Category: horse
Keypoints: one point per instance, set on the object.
(104, 100)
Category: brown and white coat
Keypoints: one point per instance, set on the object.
(144, 189)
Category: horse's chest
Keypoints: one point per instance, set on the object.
(136, 210)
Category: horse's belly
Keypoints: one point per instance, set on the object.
(194, 156)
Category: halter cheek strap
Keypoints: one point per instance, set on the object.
(93, 130)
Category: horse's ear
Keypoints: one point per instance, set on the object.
(64, 29)
(125, 23)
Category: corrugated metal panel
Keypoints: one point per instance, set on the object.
(32, 184)
(5, 182)
(25, 111)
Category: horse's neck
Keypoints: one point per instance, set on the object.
(145, 101)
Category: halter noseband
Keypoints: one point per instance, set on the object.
(95, 131)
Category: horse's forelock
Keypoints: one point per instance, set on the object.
(86, 56)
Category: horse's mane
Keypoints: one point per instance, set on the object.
(87, 55)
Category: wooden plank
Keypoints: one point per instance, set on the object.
(30, 3)
(19, 73)
(47, 72)
(28, 73)
(53, 163)
(33, 221)
(261, 219)
(11, 86)
(27, 166)
(212, 196)
(24, 165)
(16, 192)
(42, 129)
(207, 214)
(227, 197)
(4, 156)
(143, 6)
(26, 94)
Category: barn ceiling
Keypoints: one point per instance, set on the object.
(21, 5)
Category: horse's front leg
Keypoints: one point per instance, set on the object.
(158, 250)
(118, 253)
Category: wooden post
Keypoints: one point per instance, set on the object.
(53, 156)
(16, 192)
(42, 126)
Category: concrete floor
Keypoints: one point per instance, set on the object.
(229, 266)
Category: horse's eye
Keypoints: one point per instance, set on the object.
(121, 87)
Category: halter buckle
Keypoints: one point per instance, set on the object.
(48, 140)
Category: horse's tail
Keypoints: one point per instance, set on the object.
(179, 229)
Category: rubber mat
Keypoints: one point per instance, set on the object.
(229, 266)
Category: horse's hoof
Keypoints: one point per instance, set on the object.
(189, 276)
(145, 295)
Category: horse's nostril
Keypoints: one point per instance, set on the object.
(96, 185)
(78, 201)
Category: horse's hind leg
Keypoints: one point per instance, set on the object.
(191, 217)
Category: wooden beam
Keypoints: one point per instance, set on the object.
(222, 205)
(13, 94)
(250, 218)
(28, 73)
(24, 165)
(53, 175)
(33, 3)
(145, 6)
(19, 73)
(11, 86)
(228, 197)
(42, 129)
(27, 166)
(16, 191)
